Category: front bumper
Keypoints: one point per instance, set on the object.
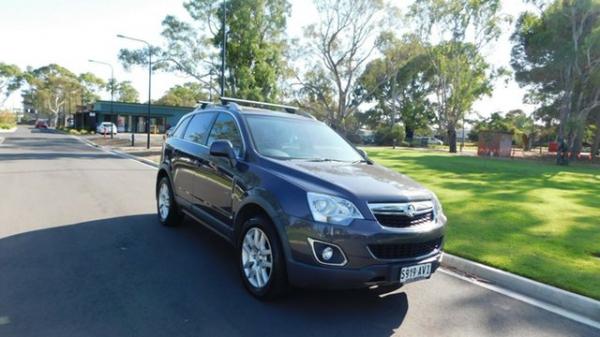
(312, 276)
(363, 268)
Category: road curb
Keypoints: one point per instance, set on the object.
(116, 152)
(578, 304)
(134, 157)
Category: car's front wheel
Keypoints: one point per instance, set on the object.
(262, 264)
(168, 212)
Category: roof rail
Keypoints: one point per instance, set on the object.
(286, 108)
(204, 104)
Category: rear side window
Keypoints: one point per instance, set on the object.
(180, 129)
(225, 128)
(199, 126)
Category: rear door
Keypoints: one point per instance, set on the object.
(171, 151)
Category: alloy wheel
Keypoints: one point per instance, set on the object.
(164, 201)
(257, 257)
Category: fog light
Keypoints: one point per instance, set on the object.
(327, 254)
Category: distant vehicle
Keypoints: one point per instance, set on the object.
(299, 204)
(434, 141)
(41, 124)
(107, 128)
(426, 141)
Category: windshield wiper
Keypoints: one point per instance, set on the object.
(323, 160)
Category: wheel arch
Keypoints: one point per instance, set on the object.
(162, 172)
(256, 206)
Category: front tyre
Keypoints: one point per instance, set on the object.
(261, 260)
(168, 212)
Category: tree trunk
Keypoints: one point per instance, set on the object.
(410, 132)
(452, 138)
(596, 144)
(577, 140)
(526, 142)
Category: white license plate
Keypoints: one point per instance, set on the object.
(413, 273)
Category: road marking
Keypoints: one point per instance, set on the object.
(526, 299)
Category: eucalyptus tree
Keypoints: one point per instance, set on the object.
(49, 88)
(255, 44)
(398, 83)
(10, 80)
(456, 32)
(338, 48)
(126, 92)
(187, 94)
(556, 55)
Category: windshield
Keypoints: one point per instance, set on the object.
(287, 138)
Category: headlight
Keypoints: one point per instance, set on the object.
(333, 210)
(437, 205)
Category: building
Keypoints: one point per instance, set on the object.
(129, 117)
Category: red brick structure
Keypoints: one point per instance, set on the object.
(495, 144)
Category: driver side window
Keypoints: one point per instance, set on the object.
(225, 128)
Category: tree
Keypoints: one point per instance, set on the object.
(10, 80)
(91, 85)
(187, 94)
(340, 43)
(556, 54)
(398, 82)
(49, 88)
(254, 49)
(456, 31)
(127, 93)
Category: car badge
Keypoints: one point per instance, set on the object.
(411, 210)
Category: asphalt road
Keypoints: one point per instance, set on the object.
(82, 254)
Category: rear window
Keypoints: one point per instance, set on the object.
(180, 127)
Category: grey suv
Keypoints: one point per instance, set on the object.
(300, 205)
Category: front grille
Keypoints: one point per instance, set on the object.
(405, 250)
(401, 220)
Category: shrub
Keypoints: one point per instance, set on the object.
(385, 135)
(7, 119)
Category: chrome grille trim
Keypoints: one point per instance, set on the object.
(405, 210)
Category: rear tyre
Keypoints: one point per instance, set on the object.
(168, 212)
(261, 260)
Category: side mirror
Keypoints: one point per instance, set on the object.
(223, 148)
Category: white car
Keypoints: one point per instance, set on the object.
(106, 128)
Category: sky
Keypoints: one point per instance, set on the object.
(70, 32)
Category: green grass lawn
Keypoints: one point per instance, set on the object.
(537, 220)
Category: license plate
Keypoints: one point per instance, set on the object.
(413, 273)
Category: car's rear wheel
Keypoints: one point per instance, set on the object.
(261, 260)
(168, 212)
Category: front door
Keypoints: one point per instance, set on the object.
(219, 173)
